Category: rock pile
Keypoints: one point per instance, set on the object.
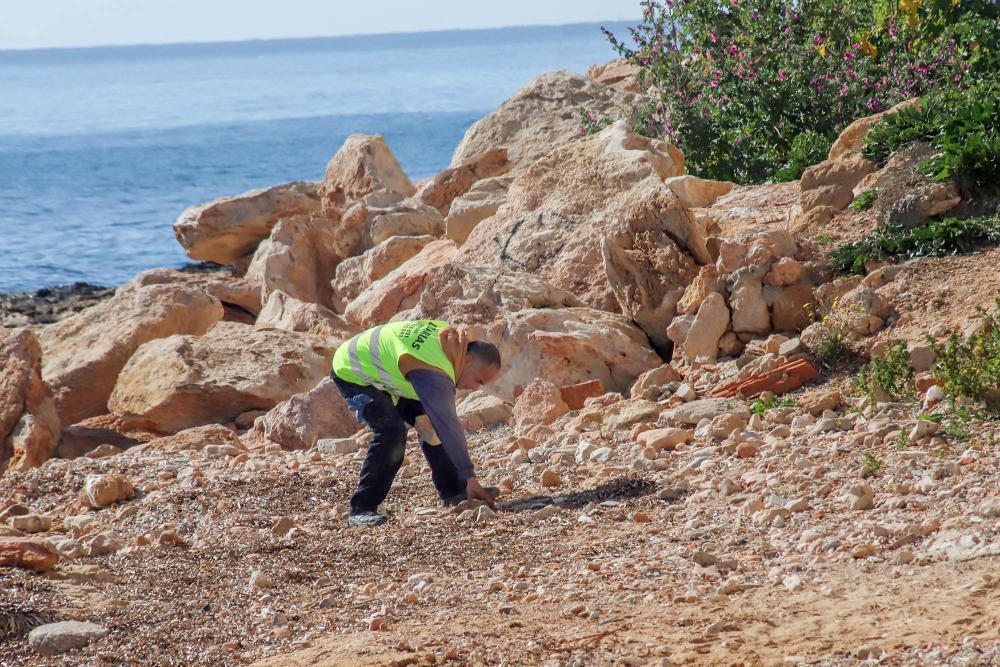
(641, 313)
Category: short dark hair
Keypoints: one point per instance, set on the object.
(484, 352)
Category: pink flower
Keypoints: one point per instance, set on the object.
(782, 75)
(715, 84)
(712, 36)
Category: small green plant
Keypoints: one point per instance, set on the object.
(824, 238)
(957, 428)
(937, 238)
(830, 342)
(969, 368)
(865, 199)
(892, 376)
(590, 123)
(760, 406)
(961, 127)
(872, 465)
(903, 440)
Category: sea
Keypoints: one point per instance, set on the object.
(102, 148)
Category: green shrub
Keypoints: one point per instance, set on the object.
(750, 89)
(865, 199)
(808, 148)
(963, 129)
(969, 368)
(937, 238)
(892, 375)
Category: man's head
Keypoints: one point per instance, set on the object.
(482, 364)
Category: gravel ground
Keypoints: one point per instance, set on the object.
(689, 558)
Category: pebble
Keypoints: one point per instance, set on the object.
(57, 638)
(259, 580)
(550, 478)
(31, 523)
(704, 558)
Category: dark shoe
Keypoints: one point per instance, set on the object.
(366, 519)
(459, 497)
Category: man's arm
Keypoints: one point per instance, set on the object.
(436, 392)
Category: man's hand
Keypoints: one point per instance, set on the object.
(475, 490)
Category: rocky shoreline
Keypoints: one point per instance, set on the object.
(687, 475)
(51, 304)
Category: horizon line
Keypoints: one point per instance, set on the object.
(224, 42)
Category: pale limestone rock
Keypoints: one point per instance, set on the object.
(225, 230)
(400, 288)
(363, 165)
(541, 116)
(539, 403)
(480, 409)
(443, 188)
(606, 186)
(29, 423)
(298, 259)
(749, 309)
(709, 325)
(289, 314)
(697, 192)
(852, 138)
(479, 203)
(620, 74)
(84, 353)
(183, 381)
(305, 419)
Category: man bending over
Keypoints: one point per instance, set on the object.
(406, 373)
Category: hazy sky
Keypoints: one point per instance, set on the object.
(29, 24)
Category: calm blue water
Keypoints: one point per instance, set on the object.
(101, 149)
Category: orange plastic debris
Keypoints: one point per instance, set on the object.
(782, 379)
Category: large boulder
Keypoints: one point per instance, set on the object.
(846, 171)
(479, 203)
(750, 313)
(29, 424)
(289, 314)
(299, 259)
(709, 325)
(751, 208)
(182, 381)
(406, 219)
(226, 229)
(851, 140)
(541, 330)
(364, 164)
(400, 288)
(84, 353)
(562, 206)
(906, 196)
(620, 74)
(647, 273)
(233, 292)
(441, 190)
(541, 116)
(305, 419)
(354, 274)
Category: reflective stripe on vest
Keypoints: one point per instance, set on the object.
(360, 360)
(384, 380)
